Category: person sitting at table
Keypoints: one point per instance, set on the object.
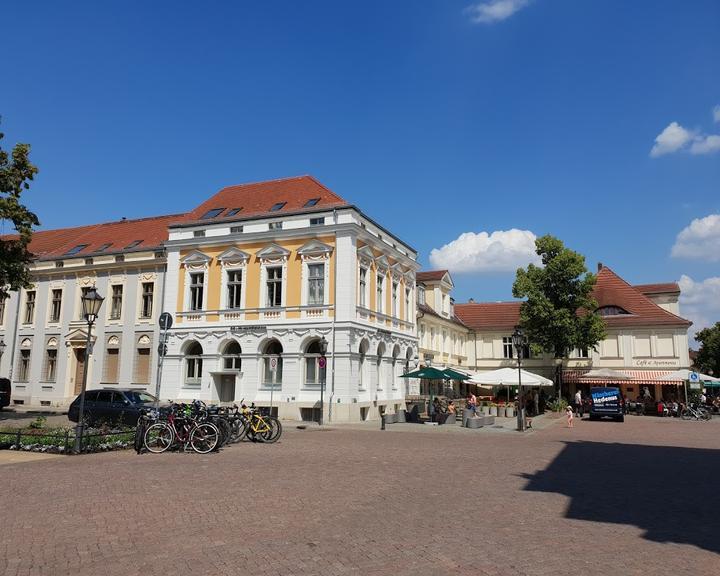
(451, 407)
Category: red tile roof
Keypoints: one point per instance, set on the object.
(257, 198)
(610, 290)
(661, 288)
(54, 244)
(430, 275)
(489, 315)
(425, 309)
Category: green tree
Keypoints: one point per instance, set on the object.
(16, 173)
(708, 358)
(559, 313)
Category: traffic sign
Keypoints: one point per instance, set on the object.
(322, 362)
(694, 377)
(165, 321)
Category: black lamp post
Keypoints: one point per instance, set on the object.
(323, 375)
(519, 341)
(91, 302)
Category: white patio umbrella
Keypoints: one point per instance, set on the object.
(684, 375)
(508, 377)
(606, 373)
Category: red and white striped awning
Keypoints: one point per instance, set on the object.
(636, 377)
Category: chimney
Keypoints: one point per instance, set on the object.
(471, 301)
(600, 266)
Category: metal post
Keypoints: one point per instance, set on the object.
(81, 424)
(161, 359)
(322, 388)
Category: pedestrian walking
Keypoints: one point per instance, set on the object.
(579, 403)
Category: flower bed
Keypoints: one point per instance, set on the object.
(62, 440)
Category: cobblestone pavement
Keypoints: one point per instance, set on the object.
(602, 498)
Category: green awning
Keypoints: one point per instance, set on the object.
(454, 375)
(429, 373)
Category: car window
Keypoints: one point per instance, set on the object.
(90, 396)
(118, 398)
(137, 397)
(104, 396)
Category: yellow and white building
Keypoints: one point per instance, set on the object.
(259, 273)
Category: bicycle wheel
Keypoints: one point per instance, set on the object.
(139, 435)
(272, 435)
(158, 438)
(686, 414)
(238, 431)
(705, 415)
(204, 438)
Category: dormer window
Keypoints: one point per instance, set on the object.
(214, 213)
(278, 206)
(233, 211)
(612, 311)
(311, 202)
(76, 249)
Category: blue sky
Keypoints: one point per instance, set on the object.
(438, 118)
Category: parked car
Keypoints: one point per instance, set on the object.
(607, 401)
(116, 405)
(5, 390)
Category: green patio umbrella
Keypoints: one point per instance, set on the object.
(428, 373)
(451, 374)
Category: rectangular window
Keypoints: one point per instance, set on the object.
(51, 365)
(29, 307)
(76, 249)
(236, 229)
(421, 295)
(142, 366)
(232, 212)
(395, 299)
(116, 302)
(507, 347)
(213, 213)
(110, 371)
(317, 221)
(379, 293)
(56, 306)
(234, 287)
(103, 247)
(199, 233)
(316, 284)
(133, 244)
(581, 353)
(275, 226)
(311, 202)
(278, 206)
(2, 310)
(148, 288)
(274, 287)
(407, 305)
(24, 366)
(363, 286)
(196, 290)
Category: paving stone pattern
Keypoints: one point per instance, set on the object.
(602, 498)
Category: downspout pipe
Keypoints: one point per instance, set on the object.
(335, 308)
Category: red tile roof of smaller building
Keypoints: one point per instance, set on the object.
(430, 275)
(425, 309)
(489, 315)
(256, 200)
(55, 244)
(660, 288)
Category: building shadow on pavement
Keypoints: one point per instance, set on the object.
(670, 492)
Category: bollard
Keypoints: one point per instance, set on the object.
(382, 422)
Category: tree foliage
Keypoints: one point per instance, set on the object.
(708, 358)
(16, 173)
(559, 313)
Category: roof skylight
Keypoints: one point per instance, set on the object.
(103, 247)
(233, 211)
(311, 202)
(76, 249)
(277, 206)
(133, 244)
(214, 213)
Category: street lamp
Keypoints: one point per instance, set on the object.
(323, 375)
(91, 302)
(519, 341)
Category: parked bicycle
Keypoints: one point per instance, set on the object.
(694, 412)
(184, 428)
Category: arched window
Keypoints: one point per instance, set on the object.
(231, 356)
(362, 350)
(272, 364)
(314, 374)
(193, 364)
(380, 378)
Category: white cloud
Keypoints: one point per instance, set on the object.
(705, 144)
(700, 240)
(716, 113)
(502, 250)
(494, 10)
(700, 302)
(672, 139)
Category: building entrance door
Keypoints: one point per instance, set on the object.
(227, 388)
(79, 368)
